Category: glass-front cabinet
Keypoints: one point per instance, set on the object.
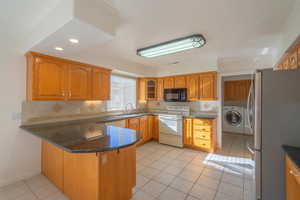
(151, 86)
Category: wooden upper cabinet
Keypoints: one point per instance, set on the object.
(193, 87)
(207, 86)
(160, 89)
(169, 82)
(180, 82)
(100, 84)
(46, 79)
(298, 55)
(290, 60)
(293, 59)
(141, 89)
(236, 90)
(79, 82)
(52, 78)
(151, 92)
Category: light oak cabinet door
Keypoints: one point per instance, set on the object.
(144, 129)
(188, 132)
(101, 84)
(180, 82)
(126, 172)
(79, 82)
(168, 82)
(141, 89)
(298, 55)
(53, 164)
(151, 85)
(133, 123)
(155, 128)
(81, 172)
(109, 175)
(49, 79)
(160, 89)
(193, 87)
(52, 78)
(117, 174)
(292, 183)
(236, 90)
(207, 86)
(293, 59)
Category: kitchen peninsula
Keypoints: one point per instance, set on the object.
(89, 160)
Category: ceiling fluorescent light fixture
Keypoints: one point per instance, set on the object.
(173, 46)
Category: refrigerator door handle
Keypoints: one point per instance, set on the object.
(257, 112)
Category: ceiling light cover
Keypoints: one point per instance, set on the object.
(58, 48)
(173, 46)
(74, 41)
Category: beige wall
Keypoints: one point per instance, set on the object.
(19, 151)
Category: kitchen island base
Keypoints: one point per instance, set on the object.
(109, 175)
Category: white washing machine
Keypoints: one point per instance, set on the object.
(234, 119)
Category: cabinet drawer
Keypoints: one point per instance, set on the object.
(202, 135)
(202, 122)
(197, 128)
(202, 143)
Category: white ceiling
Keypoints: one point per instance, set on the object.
(233, 29)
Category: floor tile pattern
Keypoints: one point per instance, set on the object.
(169, 173)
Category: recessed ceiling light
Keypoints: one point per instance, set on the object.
(74, 41)
(58, 48)
(265, 51)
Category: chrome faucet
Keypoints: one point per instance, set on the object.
(126, 107)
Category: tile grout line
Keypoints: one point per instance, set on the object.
(31, 190)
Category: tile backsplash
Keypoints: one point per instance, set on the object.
(196, 106)
(41, 110)
(32, 110)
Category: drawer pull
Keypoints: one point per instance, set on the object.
(294, 173)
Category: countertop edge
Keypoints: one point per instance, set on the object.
(87, 151)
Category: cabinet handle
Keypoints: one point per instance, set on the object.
(63, 93)
(70, 93)
(294, 173)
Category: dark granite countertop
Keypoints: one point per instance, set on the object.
(85, 137)
(293, 153)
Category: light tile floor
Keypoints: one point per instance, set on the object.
(169, 173)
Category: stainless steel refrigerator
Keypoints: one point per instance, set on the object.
(276, 106)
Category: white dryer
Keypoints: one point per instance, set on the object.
(233, 119)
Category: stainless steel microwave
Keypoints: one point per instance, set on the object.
(175, 95)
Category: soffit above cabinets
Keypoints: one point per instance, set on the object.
(92, 24)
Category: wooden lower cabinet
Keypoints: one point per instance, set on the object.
(147, 126)
(292, 176)
(200, 134)
(107, 175)
(81, 172)
(52, 164)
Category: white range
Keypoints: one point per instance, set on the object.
(171, 125)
